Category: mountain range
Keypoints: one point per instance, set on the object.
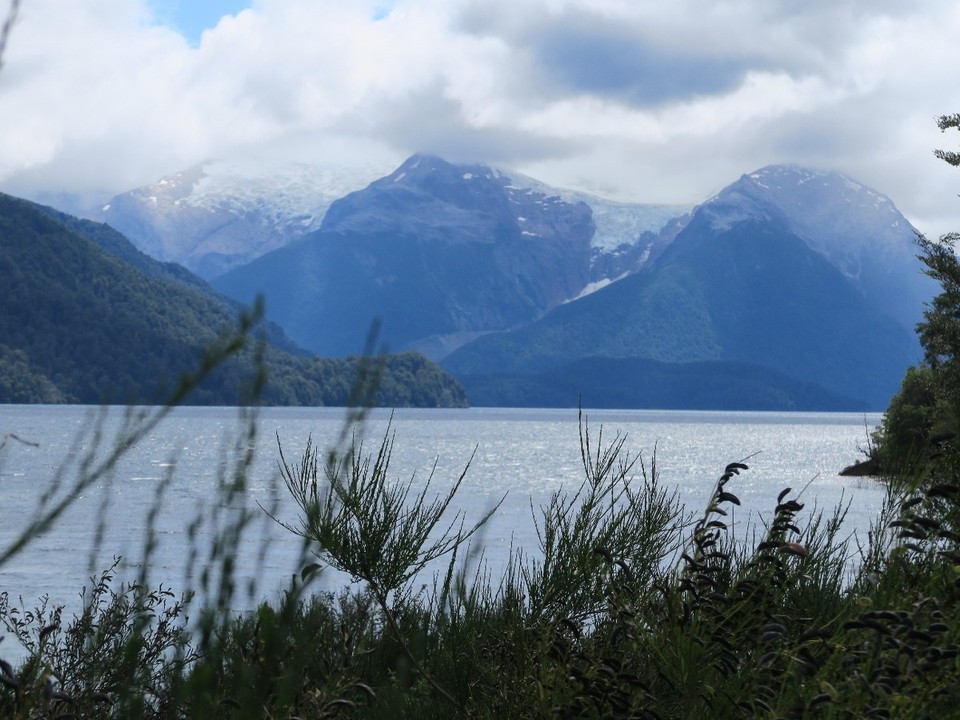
(791, 288)
(767, 273)
(218, 215)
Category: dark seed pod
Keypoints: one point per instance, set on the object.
(762, 705)
(308, 570)
(778, 628)
(792, 548)
(607, 555)
(927, 523)
(942, 490)
(612, 663)
(816, 635)
(790, 506)
(769, 657)
(728, 497)
(874, 625)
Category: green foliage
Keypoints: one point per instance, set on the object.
(921, 422)
(20, 384)
(635, 383)
(916, 423)
(119, 652)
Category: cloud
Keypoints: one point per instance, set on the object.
(645, 101)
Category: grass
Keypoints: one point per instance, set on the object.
(632, 606)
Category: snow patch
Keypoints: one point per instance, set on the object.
(592, 287)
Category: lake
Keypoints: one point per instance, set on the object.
(526, 454)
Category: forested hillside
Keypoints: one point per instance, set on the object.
(89, 323)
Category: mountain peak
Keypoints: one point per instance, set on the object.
(432, 199)
(807, 197)
(858, 229)
(223, 213)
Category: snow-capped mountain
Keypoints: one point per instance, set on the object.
(218, 215)
(440, 252)
(859, 230)
(798, 272)
(616, 223)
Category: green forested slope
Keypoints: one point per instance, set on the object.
(80, 323)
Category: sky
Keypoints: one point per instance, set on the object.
(635, 100)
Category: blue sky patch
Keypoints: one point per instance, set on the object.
(190, 17)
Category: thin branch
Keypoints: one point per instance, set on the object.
(7, 26)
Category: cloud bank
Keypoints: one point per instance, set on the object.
(658, 102)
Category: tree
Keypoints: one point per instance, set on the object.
(925, 413)
(945, 122)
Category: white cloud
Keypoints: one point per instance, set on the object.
(647, 101)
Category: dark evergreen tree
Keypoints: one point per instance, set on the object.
(923, 417)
